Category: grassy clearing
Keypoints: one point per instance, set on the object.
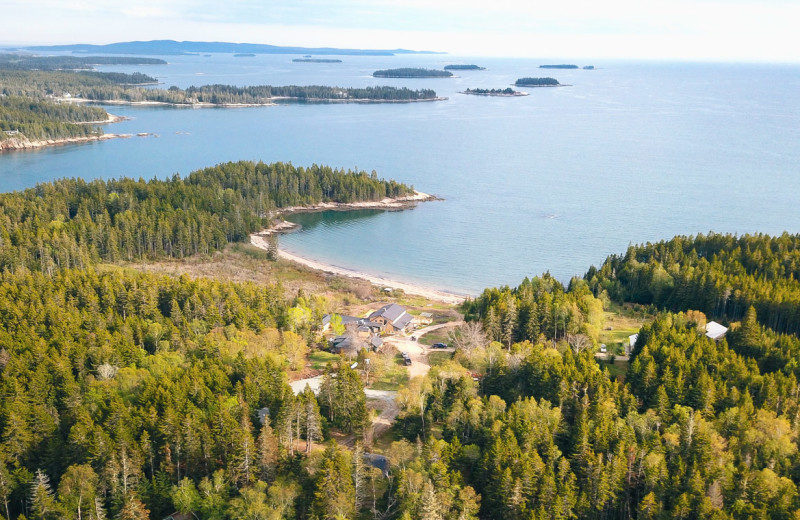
(319, 358)
(393, 377)
(622, 322)
(436, 336)
(616, 369)
(439, 358)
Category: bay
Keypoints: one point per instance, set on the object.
(555, 181)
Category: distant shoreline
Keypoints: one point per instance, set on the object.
(245, 105)
(397, 203)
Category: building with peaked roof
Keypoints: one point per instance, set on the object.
(393, 317)
(353, 321)
(715, 331)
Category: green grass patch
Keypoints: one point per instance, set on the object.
(439, 358)
(392, 379)
(617, 369)
(319, 358)
(436, 336)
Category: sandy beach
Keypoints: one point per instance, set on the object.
(282, 226)
(420, 290)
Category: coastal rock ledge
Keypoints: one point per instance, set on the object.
(23, 143)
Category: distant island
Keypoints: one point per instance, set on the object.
(504, 92)
(167, 47)
(412, 73)
(316, 60)
(244, 55)
(13, 61)
(588, 67)
(562, 66)
(537, 82)
(463, 67)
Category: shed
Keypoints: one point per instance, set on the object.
(715, 331)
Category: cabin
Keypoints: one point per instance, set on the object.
(393, 317)
(715, 331)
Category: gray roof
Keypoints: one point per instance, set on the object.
(394, 314)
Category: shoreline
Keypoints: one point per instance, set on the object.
(245, 105)
(430, 293)
(391, 204)
(19, 144)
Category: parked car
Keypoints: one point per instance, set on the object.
(406, 358)
(439, 345)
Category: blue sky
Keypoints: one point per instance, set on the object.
(733, 30)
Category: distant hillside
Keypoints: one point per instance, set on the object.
(163, 47)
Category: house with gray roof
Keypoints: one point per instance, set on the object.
(393, 317)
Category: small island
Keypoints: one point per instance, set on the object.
(537, 82)
(561, 66)
(463, 67)
(504, 92)
(588, 67)
(316, 60)
(244, 55)
(412, 73)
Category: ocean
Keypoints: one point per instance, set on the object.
(555, 181)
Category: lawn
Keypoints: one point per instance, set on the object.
(439, 358)
(393, 378)
(616, 369)
(320, 358)
(436, 336)
(623, 321)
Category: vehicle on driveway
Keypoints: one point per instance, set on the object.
(439, 345)
(406, 358)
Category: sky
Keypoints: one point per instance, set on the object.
(696, 30)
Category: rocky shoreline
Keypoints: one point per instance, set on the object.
(18, 144)
(279, 226)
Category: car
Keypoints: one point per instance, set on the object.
(406, 358)
(439, 345)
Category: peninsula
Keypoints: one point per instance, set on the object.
(412, 73)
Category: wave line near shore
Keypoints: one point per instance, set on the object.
(260, 240)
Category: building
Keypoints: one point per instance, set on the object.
(631, 343)
(353, 321)
(393, 317)
(715, 331)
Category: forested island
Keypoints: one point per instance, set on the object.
(118, 87)
(316, 60)
(412, 73)
(560, 66)
(133, 395)
(244, 55)
(32, 62)
(463, 67)
(508, 92)
(537, 82)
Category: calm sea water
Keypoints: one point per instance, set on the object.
(555, 181)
